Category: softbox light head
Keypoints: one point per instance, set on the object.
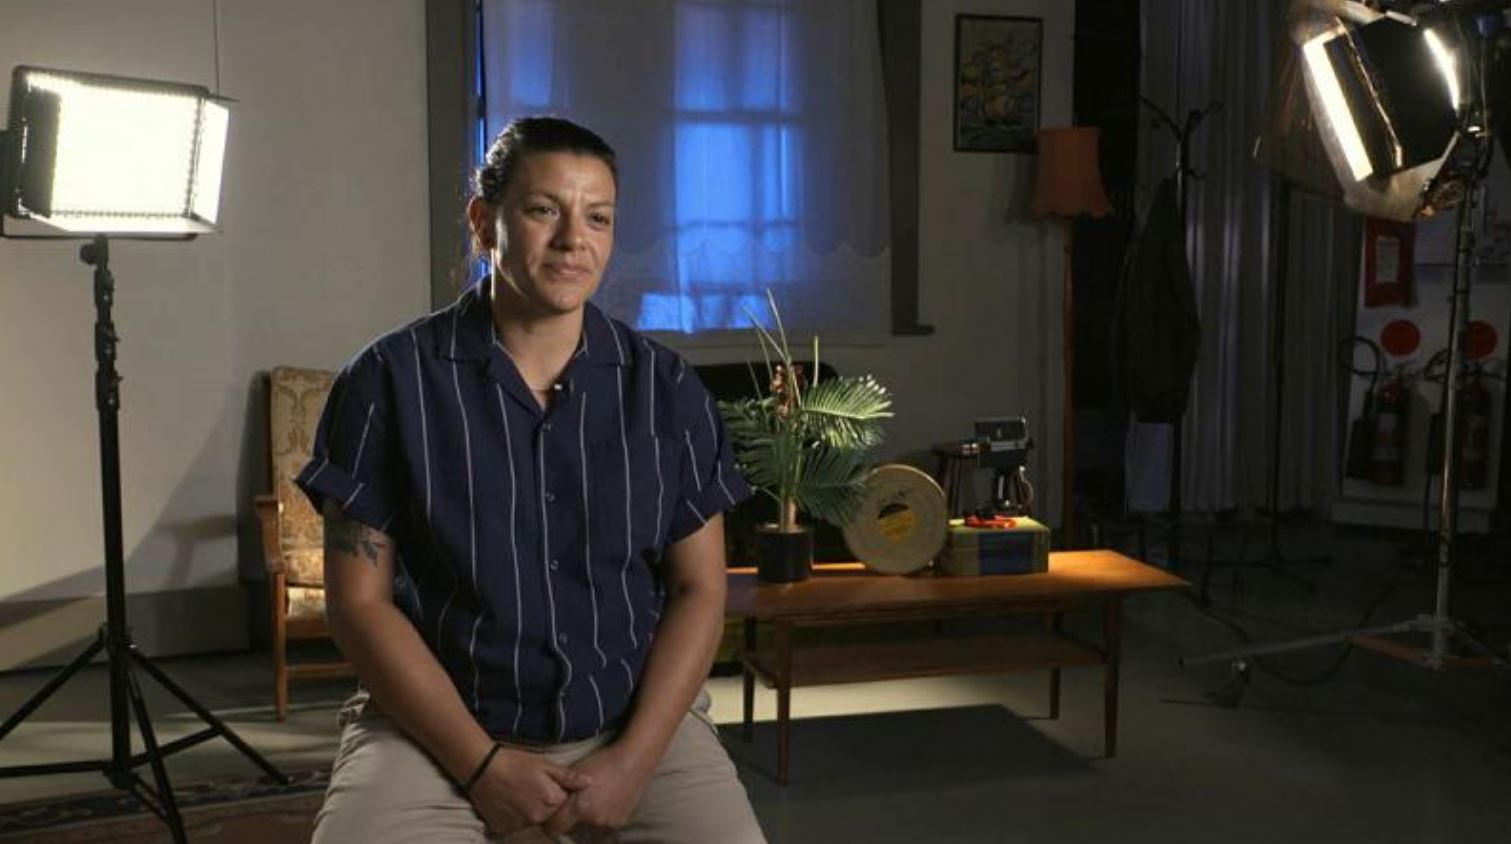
(90, 153)
(1385, 95)
(1379, 104)
(1389, 91)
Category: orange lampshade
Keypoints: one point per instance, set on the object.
(1069, 181)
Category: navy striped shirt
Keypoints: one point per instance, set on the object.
(529, 540)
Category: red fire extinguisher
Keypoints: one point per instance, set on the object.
(1474, 404)
(1389, 452)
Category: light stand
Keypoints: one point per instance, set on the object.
(114, 637)
(1440, 625)
(1273, 558)
(28, 191)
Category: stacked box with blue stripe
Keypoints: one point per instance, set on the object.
(1022, 548)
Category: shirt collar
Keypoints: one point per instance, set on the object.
(467, 333)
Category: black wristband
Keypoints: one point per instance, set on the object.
(481, 767)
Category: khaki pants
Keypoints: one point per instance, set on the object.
(385, 790)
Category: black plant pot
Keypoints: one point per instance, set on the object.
(783, 557)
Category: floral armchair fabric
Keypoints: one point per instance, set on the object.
(293, 534)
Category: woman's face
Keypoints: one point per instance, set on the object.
(551, 234)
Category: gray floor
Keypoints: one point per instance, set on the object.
(1381, 752)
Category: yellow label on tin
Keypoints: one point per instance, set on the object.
(898, 526)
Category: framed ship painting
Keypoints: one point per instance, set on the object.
(997, 63)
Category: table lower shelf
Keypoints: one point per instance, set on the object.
(818, 665)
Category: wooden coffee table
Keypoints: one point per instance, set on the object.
(847, 594)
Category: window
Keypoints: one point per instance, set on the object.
(751, 138)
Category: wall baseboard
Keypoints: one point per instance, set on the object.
(42, 634)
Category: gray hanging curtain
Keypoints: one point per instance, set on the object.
(1196, 52)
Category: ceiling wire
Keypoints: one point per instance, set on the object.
(215, 35)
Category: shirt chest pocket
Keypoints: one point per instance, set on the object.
(636, 481)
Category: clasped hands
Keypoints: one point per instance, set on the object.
(522, 790)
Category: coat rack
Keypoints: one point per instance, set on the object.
(1184, 172)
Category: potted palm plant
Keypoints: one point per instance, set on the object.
(804, 445)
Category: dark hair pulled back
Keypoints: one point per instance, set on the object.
(526, 135)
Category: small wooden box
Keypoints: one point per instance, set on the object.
(1020, 549)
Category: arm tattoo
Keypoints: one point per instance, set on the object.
(348, 536)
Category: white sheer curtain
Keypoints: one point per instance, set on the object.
(1197, 52)
(752, 148)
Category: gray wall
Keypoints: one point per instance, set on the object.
(325, 245)
(325, 242)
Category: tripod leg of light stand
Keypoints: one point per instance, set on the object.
(1297, 644)
(1496, 658)
(1437, 656)
(114, 638)
(167, 807)
(52, 686)
(217, 725)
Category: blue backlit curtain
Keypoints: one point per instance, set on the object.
(752, 145)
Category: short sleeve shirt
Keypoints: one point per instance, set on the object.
(529, 540)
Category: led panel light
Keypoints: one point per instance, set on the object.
(108, 154)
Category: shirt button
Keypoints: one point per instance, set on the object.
(555, 564)
(562, 638)
(550, 496)
(545, 426)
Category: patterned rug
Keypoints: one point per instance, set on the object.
(231, 811)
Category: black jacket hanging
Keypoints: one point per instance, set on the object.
(1155, 331)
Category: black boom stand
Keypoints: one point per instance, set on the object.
(1273, 558)
(114, 637)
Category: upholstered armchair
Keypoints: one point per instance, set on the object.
(293, 534)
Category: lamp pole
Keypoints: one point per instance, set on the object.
(1068, 184)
